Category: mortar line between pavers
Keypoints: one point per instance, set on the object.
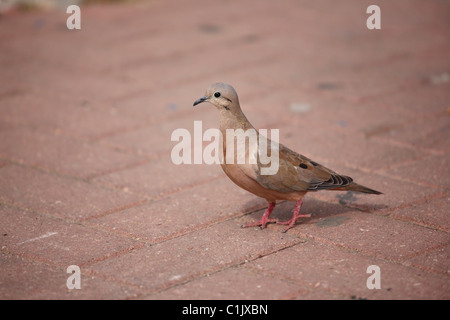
(318, 240)
(31, 210)
(32, 259)
(91, 224)
(202, 226)
(90, 272)
(301, 240)
(177, 82)
(92, 142)
(84, 223)
(187, 187)
(50, 172)
(402, 262)
(406, 85)
(428, 250)
(73, 222)
(387, 213)
(294, 281)
(213, 270)
(293, 294)
(238, 67)
(439, 194)
(113, 210)
(147, 123)
(132, 151)
(213, 222)
(428, 152)
(384, 174)
(75, 178)
(159, 196)
(356, 252)
(232, 264)
(64, 174)
(136, 164)
(233, 42)
(136, 203)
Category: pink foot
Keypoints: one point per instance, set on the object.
(264, 219)
(295, 216)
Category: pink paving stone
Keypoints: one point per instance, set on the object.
(27, 279)
(222, 286)
(433, 213)
(434, 261)
(319, 293)
(321, 265)
(155, 139)
(370, 234)
(67, 156)
(429, 134)
(90, 85)
(159, 177)
(361, 84)
(426, 100)
(182, 212)
(286, 72)
(121, 54)
(62, 197)
(57, 242)
(70, 115)
(431, 170)
(38, 50)
(332, 112)
(176, 101)
(376, 80)
(152, 35)
(165, 45)
(161, 104)
(349, 148)
(206, 62)
(195, 254)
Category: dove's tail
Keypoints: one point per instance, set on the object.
(359, 188)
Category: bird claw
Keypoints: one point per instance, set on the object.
(292, 221)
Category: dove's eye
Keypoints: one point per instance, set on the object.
(216, 94)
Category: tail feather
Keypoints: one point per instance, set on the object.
(359, 188)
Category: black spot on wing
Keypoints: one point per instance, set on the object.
(303, 166)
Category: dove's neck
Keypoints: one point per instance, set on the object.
(235, 126)
(233, 119)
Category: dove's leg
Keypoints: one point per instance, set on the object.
(295, 216)
(264, 219)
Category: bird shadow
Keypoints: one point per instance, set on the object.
(359, 201)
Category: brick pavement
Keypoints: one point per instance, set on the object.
(85, 171)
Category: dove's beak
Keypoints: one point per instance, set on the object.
(202, 99)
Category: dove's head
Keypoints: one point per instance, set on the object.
(222, 96)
